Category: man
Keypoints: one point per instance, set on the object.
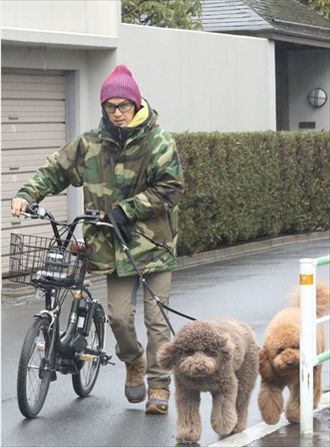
(129, 169)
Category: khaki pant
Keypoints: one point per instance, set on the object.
(122, 297)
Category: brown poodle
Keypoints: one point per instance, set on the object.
(279, 359)
(219, 356)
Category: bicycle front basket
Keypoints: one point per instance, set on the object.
(39, 260)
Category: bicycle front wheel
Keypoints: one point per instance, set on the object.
(34, 373)
(84, 381)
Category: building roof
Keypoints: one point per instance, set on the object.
(286, 20)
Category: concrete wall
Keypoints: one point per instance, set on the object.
(91, 23)
(78, 37)
(308, 69)
(197, 81)
(177, 72)
(94, 17)
(202, 81)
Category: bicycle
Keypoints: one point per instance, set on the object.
(56, 267)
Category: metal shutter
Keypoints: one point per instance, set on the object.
(33, 126)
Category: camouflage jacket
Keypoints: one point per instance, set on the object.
(142, 175)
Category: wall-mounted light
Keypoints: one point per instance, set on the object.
(317, 97)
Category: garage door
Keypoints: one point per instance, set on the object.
(33, 126)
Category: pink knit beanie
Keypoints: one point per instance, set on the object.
(120, 84)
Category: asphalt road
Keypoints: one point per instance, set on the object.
(252, 288)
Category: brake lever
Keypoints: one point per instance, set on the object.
(103, 224)
(101, 221)
(28, 215)
(39, 213)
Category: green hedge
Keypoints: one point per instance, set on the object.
(250, 185)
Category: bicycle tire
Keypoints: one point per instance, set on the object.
(84, 381)
(32, 380)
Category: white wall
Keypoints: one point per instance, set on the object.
(201, 81)
(197, 81)
(308, 69)
(93, 17)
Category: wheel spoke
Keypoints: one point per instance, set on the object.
(87, 371)
(32, 383)
(84, 381)
(33, 388)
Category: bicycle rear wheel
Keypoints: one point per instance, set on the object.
(84, 381)
(34, 375)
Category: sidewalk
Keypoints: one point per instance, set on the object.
(284, 434)
(15, 293)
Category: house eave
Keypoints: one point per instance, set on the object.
(283, 37)
(296, 39)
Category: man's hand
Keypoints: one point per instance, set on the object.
(18, 205)
(118, 216)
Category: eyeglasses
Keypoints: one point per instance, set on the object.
(124, 106)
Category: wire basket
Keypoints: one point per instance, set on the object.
(39, 260)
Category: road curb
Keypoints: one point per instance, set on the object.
(18, 294)
(247, 249)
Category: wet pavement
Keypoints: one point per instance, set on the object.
(285, 434)
(289, 435)
(251, 287)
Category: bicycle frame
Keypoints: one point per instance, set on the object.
(66, 345)
(69, 345)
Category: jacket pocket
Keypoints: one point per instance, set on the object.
(157, 230)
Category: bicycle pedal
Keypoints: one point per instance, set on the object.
(88, 357)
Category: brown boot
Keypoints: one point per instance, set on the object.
(157, 401)
(135, 389)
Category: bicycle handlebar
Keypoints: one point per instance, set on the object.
(35, 211)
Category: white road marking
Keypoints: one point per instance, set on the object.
(262, 429)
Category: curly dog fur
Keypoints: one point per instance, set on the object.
(218, 356)
(279, 359)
